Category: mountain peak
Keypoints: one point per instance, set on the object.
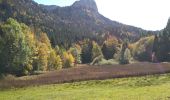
(87, 4)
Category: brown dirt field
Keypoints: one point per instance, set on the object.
(86, 72)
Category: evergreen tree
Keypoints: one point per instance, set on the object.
(155, 48)
(86, 55)
(125, 55)
(110, 47)
(163, 45)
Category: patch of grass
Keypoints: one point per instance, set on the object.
(155, 87)
(108, 62)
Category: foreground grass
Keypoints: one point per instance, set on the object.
(156, 87)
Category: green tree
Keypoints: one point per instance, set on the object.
(155, 49)
(86, 54)
(125, 54)
(16, 51)
(163, 46)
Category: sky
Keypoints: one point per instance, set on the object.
(146, 14)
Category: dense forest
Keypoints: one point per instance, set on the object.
(36, 37)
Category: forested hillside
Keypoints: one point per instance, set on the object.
(66, 25)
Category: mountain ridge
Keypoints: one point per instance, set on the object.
(68, 24)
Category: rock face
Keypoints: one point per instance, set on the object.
(86, 4)
(67, 24)
(50, 7)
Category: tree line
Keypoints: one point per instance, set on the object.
(24, 51)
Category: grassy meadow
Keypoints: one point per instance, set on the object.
(154, 87)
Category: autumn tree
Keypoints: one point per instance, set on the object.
(47, 57)
(96, 50)
(42, 57)
(54, 61)
(76, 52)
(68, 60)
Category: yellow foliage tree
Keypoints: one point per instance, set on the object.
(96, 50)
(47, 58)
(43, 53)
(71, 59)
(43, 38)
(54, 61)
(68, 60)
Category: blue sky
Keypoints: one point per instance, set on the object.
(147, 14)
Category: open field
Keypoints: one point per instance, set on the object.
(87, 73)
(154, 87)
